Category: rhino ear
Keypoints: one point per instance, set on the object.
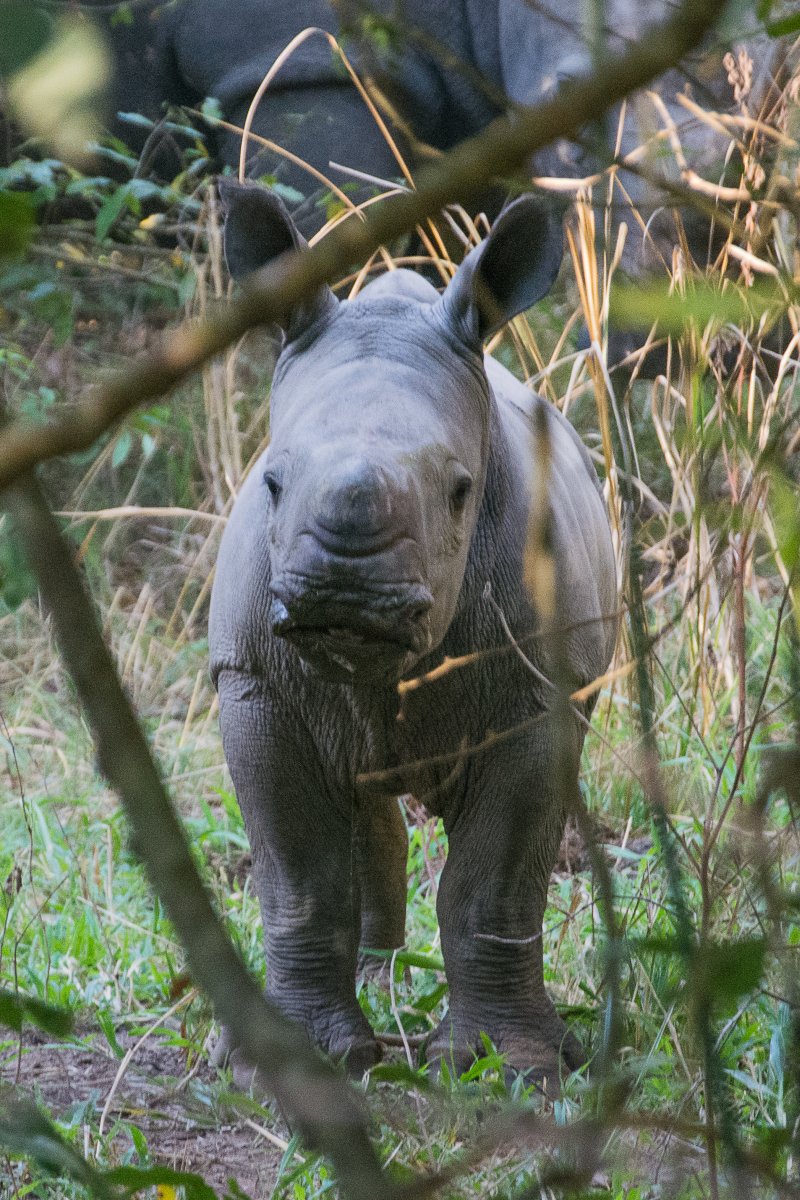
(257, 229)
(514, 267)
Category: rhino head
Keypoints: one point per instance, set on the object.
(380, 438)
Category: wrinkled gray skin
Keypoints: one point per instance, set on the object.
(508, 50)
(517, 49)
(375, 536)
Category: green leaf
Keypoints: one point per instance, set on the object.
(53, 305)
(16, 581)
(187, 287)
(785, 26)
(25, 30)
(87, 185)
(410, 958)
(145, 189)
(16, 223)
(428, 1001)
(235, 1192)
(25, 1132)
(785, 505)
(134, 118)
(720, 971)
(110, 210)
(121, 15)
(136, 1179)
(289, 194)
(18, 365)
(123, 157)
(16, 1009)
(701, 304)
(489, 1062)
(121, 449)
(211, 109)
(723, 971)
(106, 1023)
(139, 1141)
(398, 1072)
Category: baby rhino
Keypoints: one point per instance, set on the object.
(383, 531)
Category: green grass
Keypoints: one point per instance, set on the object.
(80, 928)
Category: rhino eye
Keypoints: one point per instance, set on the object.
(459, 492)
(273, 486)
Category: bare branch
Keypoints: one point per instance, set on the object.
(310, 1090)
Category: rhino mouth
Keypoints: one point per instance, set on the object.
(344, 654)
(344, 643)
(352, 639)
(344, 637)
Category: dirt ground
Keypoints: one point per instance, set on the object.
(184, 1124)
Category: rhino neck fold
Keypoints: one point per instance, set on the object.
(497, 495)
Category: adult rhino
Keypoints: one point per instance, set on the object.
(448, 67)
(383, 531)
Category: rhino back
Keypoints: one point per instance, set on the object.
(229, 58)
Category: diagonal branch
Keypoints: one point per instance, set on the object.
(313, 1094)
(501, 149)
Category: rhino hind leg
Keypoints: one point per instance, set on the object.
(382, 854)
(491, 906)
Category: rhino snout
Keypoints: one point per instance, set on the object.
(362, 507)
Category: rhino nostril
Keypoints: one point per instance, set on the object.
(418, 612)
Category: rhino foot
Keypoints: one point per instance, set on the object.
(541, 1058)
(371, 969)
(220, 1055)
(357, 1054)
(225, 1054)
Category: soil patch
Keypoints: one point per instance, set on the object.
(181, 1116)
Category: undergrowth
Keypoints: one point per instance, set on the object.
(81, 929)
(700, 475)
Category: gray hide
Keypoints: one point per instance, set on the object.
(452, 67)
(383, 530)
(515, 49)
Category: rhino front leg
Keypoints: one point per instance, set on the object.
(502, 846)
(300, 837)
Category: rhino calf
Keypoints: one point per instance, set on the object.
(384, 529)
